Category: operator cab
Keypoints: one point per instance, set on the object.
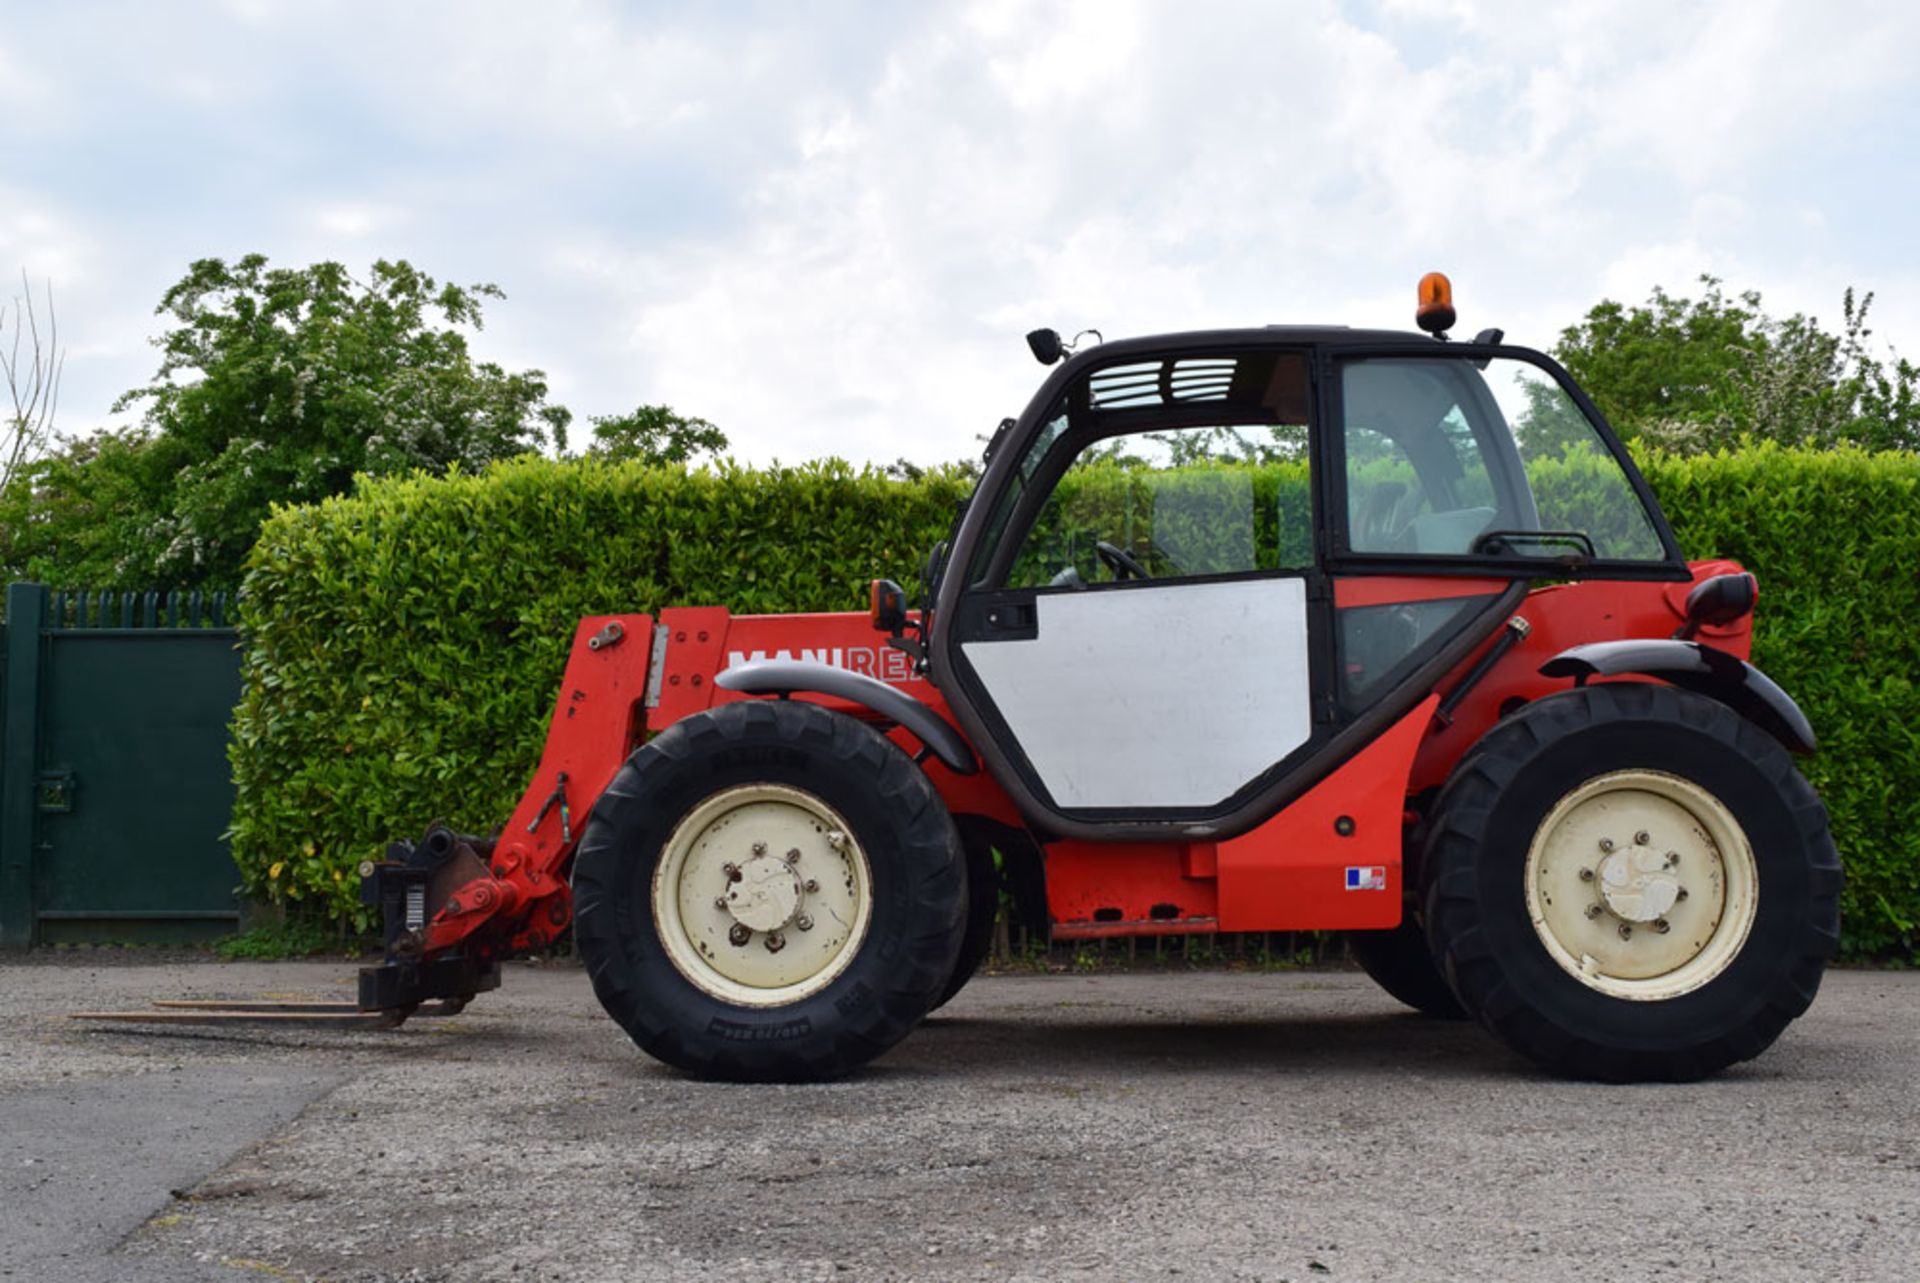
(1198, 564)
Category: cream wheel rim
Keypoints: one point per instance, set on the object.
(1641, 885)
(762, 895)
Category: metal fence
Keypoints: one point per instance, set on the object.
(115, 793)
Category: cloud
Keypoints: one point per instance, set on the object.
(827, 228)
(40, 238)
(350, 220)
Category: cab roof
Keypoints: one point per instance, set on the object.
(1262, 336)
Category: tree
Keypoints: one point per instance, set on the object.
(1669, 358)
(1706, 373)
(276, 385)
(654, 434)
(33, 380)
(88, 515)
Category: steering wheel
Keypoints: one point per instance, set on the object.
(1119, 561)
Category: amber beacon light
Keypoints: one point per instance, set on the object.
(1435, 313)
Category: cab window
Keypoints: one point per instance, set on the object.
(1447, 456)
(1175, 468)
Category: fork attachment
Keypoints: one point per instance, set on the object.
(410, 887)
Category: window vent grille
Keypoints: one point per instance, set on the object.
(1151, 383)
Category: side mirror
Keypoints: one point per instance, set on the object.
(888, 606)
(1717, 602)
(1045, 346)
(930, 571)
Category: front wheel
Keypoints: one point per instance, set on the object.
(1631, 882)
(769, 891)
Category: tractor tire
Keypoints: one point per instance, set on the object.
(983, 909)
(769, 892)
(1630, 882)
(1401, 963)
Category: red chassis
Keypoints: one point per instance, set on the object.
(629, 676)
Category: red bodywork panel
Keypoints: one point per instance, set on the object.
(1563, 616)
(1331, 859)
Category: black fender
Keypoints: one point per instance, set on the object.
(788, 676)
(1695, 667)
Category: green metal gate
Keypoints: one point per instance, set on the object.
(115, 791)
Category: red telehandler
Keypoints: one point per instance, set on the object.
(1242, 630)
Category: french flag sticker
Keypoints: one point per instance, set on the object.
(1369, 877)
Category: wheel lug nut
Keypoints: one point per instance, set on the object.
(732, 871)
(1626, 931)
(1606, 844)
(759, 848)
(1641, 838)
(1594, 911)
(739, 933)
(793, 855)
(803, 922)
(812, 886)
(775, 942)
(719, 901)
(1586, 875)
(1662, 926)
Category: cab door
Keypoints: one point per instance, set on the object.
(1141, 634)
(1463, 472)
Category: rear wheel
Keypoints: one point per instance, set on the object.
(1401, 963)
(769, 891)
(1631, 882)
(983, 909)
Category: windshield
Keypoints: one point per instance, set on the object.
(1056, 424)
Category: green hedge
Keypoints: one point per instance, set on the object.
(1835, 541)
(404, 643)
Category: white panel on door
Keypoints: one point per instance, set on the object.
(1169, 696)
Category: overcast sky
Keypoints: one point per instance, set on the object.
(826, 227)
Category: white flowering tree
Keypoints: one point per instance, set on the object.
(275, 386)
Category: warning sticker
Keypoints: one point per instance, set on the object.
(1367, 877)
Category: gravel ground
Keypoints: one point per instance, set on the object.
(1115, 1126)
